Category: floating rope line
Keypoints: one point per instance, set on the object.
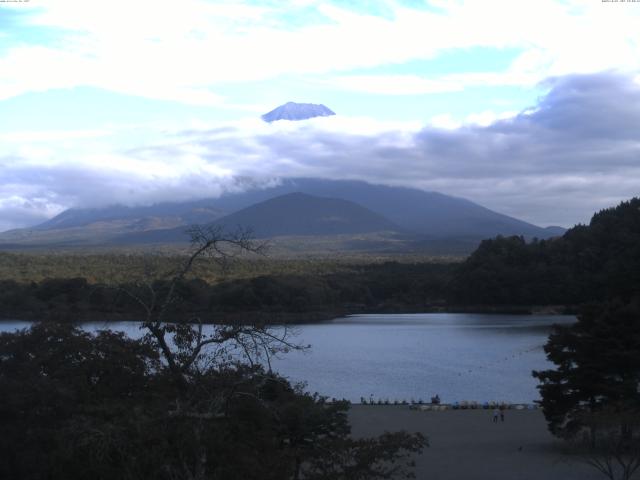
(514, 355)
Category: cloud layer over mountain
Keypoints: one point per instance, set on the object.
(574, 152)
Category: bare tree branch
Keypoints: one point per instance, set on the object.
(183, 345)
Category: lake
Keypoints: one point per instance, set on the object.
(413, 356)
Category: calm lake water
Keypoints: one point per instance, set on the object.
(414, 356)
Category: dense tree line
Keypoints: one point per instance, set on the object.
(588, 263)
(387, 286)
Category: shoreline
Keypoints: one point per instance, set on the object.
(293, 318)
(458, 405)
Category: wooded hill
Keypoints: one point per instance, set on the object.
(588, 263)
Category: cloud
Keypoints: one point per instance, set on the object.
(30, 192)
(422, 85)
(46, 136)
(184, 51)
(576, 151)
(19, 211)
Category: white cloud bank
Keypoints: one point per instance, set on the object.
(576, 151)
(183, 51)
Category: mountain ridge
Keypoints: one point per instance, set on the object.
(432, 216)
(292, 214)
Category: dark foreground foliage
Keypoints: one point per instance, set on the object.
(592, 397)
(597, 367)
(75, 405)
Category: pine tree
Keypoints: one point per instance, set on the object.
(597, 368)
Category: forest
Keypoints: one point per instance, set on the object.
(390, 286)
(588, 263)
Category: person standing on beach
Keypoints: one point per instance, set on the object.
(496, 412)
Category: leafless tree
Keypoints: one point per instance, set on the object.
(611, 444)
(188, 346)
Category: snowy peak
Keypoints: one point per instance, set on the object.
(297, 111)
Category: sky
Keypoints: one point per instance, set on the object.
(528, 107)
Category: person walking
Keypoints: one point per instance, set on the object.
(502, 409)
(496, 412)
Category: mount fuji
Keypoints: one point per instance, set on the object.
(297, 111)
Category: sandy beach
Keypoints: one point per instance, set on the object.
(467, 445)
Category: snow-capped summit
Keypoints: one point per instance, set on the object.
(297, 111)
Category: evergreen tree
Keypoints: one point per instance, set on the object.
(597, 368)
(588, 263)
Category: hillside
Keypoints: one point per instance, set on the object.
(588, 263)
(296, 214)
(436, 222)
(427, 213)
(99, 226)
(182, 213)
(303, 214)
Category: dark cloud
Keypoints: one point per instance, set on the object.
(29, 194)
(576, 151)
(22, 212)
(590, 107)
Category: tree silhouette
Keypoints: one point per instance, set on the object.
(597, 369)
(182, 403)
